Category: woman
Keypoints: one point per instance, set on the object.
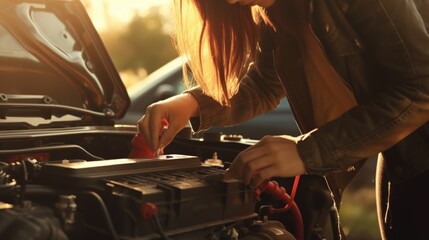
(356, 74)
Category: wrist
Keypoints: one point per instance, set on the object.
(193, 104)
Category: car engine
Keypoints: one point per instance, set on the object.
(82, 185)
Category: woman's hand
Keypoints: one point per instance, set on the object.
(272, 156)
(177, 110)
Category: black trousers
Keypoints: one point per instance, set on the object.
(402, 208)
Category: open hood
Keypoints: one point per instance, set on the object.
(53, 64)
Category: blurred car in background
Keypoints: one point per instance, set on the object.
(167, 82)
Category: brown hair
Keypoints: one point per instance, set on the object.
(219, 40)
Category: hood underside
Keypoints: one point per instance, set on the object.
(52, 57)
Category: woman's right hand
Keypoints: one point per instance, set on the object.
(177, 110)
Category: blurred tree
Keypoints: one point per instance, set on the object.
(143, 43)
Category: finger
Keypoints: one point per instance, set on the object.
(166, 137)
(243, 158)
(263, 175)
(230, 175)
(254, 166)
(235, 168)
(154, 128)
(231, 172)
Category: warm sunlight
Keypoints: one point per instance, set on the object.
(106, 13)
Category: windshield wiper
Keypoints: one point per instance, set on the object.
(42, 106)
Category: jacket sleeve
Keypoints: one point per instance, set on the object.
(395, 35)
(259, 91)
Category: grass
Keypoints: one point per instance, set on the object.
(358, 212)
(358, 215)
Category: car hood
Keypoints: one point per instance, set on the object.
(53, 64)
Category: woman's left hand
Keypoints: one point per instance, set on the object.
(272, 156)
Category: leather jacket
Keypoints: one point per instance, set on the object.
(381, 50)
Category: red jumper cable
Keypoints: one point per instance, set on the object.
(279, 193)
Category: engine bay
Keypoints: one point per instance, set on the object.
(77, 183)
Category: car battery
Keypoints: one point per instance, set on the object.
(175, 193)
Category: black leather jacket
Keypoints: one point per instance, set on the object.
(381, 49)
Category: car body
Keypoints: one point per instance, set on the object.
(168, 81)
(69, 171)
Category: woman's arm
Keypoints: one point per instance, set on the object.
(396, 41)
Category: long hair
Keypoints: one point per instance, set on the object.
(219, 40)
